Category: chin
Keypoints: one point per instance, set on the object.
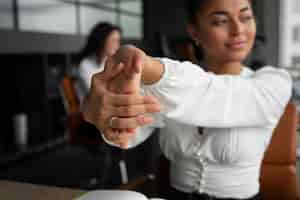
(236, 56)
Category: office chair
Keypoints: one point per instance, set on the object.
(75, 120)
(278, 173)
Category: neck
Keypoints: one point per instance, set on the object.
(233, 68)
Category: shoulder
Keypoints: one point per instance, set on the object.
(87, 63)
(274, 80)
(272, 73)
(270, 68)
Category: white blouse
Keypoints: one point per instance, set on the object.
(238, 113)
(87, 67)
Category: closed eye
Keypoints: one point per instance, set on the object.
(219, 22)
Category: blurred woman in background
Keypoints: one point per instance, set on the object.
(102, 42)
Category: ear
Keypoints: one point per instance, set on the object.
(191, 30)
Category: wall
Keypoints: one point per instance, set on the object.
(166, 16)
(30, 42)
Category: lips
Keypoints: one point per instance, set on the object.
(237, 45)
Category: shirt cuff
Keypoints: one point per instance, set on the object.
(165, 75)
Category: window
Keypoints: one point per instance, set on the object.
(106, 3)
(289, 32)
(131, 26)
(296, 34)
(125, 13)
(73, 16)
(6, 14)
(131, 18)
(132, 6)
(47, 16)
(296, 6)
(90, 16)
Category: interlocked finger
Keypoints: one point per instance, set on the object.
(135, 110)
(130, 122)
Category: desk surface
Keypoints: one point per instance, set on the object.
(17, 191)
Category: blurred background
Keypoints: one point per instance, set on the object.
(38, 43)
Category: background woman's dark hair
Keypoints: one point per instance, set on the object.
(96, 40)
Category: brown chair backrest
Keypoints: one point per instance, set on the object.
(79, 132)
(278, 172)
(72, 106)
(71, 100)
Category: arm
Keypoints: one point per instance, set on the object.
(190, 95)
(186, 92)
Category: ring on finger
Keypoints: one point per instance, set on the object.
(111, 120)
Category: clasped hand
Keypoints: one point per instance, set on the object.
(114, 103)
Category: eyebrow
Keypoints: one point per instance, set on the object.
(226, 13)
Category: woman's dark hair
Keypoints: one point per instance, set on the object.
(96, 40)
(194, 6)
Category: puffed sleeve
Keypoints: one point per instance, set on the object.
(190, 95)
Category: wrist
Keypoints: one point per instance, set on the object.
(152, 70)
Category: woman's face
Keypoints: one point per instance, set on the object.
(112, 43)
(225, 29)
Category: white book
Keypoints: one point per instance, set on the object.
(114, 195)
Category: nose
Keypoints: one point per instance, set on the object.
(237, 27)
